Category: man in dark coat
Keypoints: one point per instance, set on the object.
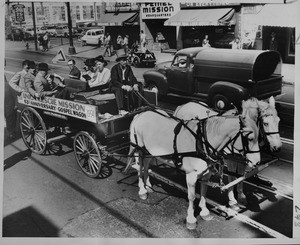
(123, 82)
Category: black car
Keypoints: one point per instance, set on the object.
(139, 59)
(18, 34)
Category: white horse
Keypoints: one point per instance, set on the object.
(155, 133)
(262, 112)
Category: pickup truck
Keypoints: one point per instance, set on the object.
(218, 77)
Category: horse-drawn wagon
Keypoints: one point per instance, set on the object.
(195, 141)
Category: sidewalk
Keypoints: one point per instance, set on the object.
(84, 52)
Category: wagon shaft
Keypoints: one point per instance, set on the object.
(248, 175)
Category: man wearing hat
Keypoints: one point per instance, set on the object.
(123, 79)
(101, 77)
(45, 86)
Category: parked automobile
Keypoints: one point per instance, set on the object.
(93, 25)
(94, 36)
(64, 31)
(50, 29)
(18, 34)
(141, 59)
(218, 76)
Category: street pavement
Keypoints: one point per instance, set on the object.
(84, 52)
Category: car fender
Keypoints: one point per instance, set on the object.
(157, 78)
(233, 92)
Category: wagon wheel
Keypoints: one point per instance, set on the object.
(87, 154)
(33, 130)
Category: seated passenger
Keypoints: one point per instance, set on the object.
(88, 71)
(101, 77)
(123, 79)
(20, 83)
(74, 71)
(45, 86)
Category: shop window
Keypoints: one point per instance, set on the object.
(291, 41)
(77, 12)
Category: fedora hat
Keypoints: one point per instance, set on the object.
(121, 55)
(43, 67)
(31, 65)
(101, 59)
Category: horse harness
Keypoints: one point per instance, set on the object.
(262, 133)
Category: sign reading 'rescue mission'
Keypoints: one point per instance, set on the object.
(65, 107)
(159, 10)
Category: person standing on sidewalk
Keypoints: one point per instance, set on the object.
(107, 44)
(125, 43)
(143, 41)
(46, 41)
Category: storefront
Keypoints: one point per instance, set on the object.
(153, 16)
(273, 20)
(120, 19)
(219, 21)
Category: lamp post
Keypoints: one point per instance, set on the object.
(72, 49)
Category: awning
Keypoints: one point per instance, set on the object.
(282, 15)
(202, 17)
(119, 19)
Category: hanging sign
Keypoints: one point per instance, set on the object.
(19, 12)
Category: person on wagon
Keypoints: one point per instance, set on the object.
(122, 80)
(45, 86)
(74, 71)
(101, 77)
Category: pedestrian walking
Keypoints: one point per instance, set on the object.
(107, 45)
(46, 41)
(119, 42)
(236, 44)
(143, 41)
(273, 42)
(205, 42)
(125, 43)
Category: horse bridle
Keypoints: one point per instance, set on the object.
(262, 131)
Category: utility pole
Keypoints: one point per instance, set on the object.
(34, 26)
(72, 49)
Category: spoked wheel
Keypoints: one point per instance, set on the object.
(33, 130)
(87, 154)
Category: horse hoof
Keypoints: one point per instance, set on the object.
(143, 196)
(207, 217)
(191, 226)
(234, 207)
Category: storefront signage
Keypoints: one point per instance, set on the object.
(120, 7)
(19, 12)
(64, 107)
(204, 4)
(159, 10)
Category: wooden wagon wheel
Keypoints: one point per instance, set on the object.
(87, 154)
(33, 130)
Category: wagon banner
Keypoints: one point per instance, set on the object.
(60, 106)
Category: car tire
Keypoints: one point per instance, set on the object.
(83, 43)
(220, 102)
